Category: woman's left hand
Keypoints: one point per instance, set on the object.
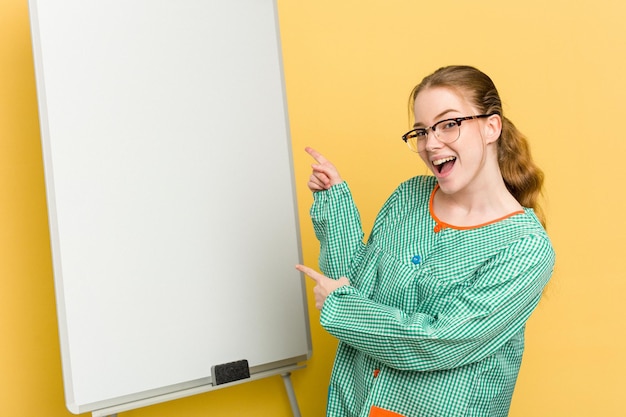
(324, 285)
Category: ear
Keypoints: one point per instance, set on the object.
(492, 128)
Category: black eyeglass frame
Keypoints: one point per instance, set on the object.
(433, 128)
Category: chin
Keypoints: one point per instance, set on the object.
(448, 185)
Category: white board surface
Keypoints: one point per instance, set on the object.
(170, 192)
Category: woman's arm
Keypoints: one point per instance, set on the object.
(473, 325)
(337, 225)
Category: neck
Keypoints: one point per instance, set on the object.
(480, 202)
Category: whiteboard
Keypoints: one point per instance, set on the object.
(169, 178)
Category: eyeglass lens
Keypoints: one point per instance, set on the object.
(446, 131)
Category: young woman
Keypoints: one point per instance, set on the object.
(430, 312)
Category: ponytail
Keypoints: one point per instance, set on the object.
(521, 175)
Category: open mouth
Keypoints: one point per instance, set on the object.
(444, 165)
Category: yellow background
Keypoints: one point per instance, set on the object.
(349, 65)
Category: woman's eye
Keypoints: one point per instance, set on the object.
(451, 124)
(421, 133)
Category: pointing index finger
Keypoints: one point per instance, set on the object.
(316, 155)
(312, 273)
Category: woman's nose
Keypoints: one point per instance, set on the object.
(432, 141)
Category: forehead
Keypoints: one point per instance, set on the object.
(434, 103)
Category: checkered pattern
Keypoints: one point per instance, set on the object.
(433, 323)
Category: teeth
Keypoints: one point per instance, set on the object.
(443, 160)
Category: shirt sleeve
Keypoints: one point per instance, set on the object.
(337, 225)
(475, 323)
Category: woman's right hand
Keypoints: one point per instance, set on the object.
(324, 175)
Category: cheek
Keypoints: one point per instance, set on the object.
(424, 158)
(475, 155)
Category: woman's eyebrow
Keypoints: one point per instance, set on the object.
(437, 117)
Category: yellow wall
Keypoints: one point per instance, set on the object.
(560, 67)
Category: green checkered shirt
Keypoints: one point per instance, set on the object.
(433, 322)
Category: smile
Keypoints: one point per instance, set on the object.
(444, 164)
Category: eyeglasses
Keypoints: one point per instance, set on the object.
(446, 131)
